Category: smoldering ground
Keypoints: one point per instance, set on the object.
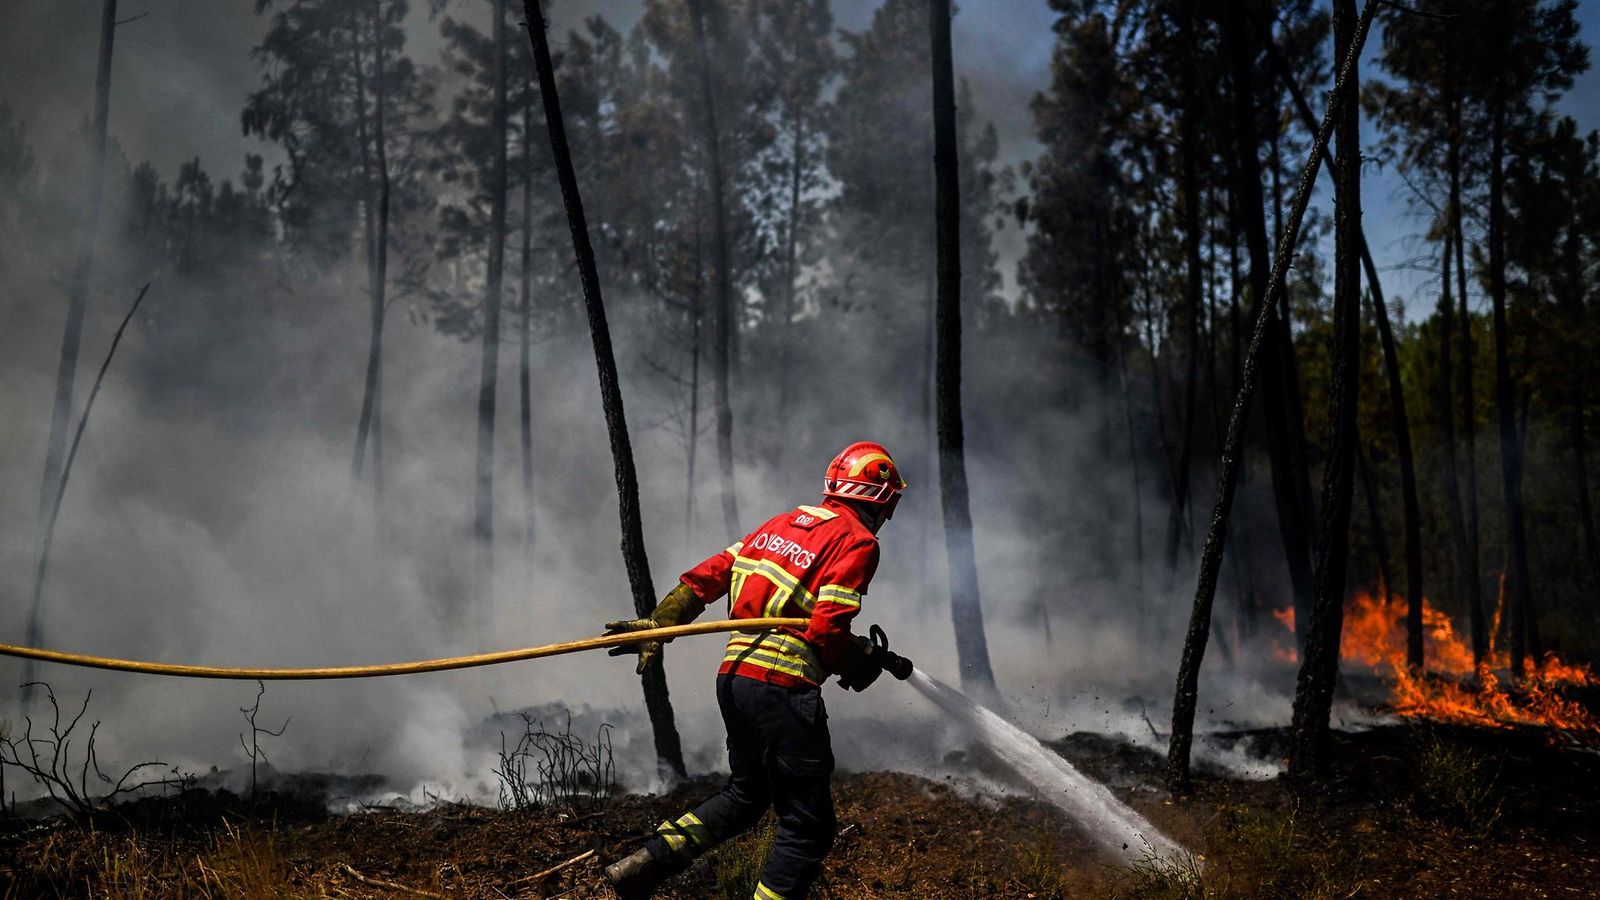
(212, 518)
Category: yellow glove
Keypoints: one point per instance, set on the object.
(679, 607)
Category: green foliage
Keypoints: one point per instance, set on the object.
(1040, 872)
(1154, 878)
(1455, 784)
(1252, 853)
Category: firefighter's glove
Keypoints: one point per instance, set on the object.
(679, 607)
(861, 666)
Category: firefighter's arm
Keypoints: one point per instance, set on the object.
(839, 602)
(682, 605)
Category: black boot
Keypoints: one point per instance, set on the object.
(636, 877)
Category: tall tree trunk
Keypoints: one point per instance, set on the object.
(1133, 464)
(483, 495)
(72, 332)
(791, 269)
(1464, 568)
(1400, 422)
(1469, 407)
(1524, 629)
(723, 322)
(1380, 535)
(1278, 378)
(380, 258)
(82, 269)
(1189, 151)
(1194, 647)
(1575, 355)
(669, 751)
(696, 314)
(370, 200)
(972, 648)
(524, 370)
(1468, 565)
(1402, 442)
(1319, 668)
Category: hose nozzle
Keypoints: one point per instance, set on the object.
(893, 663)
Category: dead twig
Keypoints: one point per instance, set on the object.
(388, 885)
(540, 876)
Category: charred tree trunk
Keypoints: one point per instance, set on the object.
(380, 260)
(489, 373)
(1402, 443)
(1319, 667)
(1380, 535)
(972, 649)
(369, 227)
(1465, 568)
(723, 322)
(1187, 692)
(72, 333)
(1401, 421)
(791, 269)
(669, 752)
(524, 369)
(1189, 151)
(1469, 410)
(369, 428)
(1468, 565)
(696, 314)
(1524, 628)
(82, 269)
(1278, 380)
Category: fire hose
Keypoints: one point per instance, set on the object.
(401, 668)
(894, 664)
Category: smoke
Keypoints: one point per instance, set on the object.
(212, 516)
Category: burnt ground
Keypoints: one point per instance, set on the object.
(1412, 811)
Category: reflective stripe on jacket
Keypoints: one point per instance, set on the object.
(813, 563)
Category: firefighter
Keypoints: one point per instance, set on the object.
(813, 562)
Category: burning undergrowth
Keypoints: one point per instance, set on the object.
(1454, 688)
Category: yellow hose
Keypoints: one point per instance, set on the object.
(405, 668)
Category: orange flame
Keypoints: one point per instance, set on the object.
(1375, 636)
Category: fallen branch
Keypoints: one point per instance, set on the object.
(539, 876)
(388, 885)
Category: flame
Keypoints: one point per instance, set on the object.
(1454, 689)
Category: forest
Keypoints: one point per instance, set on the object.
(1238, 355)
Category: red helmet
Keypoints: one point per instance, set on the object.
(863, 471)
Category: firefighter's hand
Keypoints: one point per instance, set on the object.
(647, 650)
(679, 607)
(861, 666)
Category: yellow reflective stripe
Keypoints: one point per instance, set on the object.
(778, 639)
(765, 893)
(737, 546)
(838, 593)
(675, 840)
(819, 512)
(779, 652)
(788, 586)
(762, 660)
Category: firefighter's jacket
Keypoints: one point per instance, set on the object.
(813, 563)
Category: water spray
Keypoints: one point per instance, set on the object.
(1109, 821)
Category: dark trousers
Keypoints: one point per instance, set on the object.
(780, 756)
